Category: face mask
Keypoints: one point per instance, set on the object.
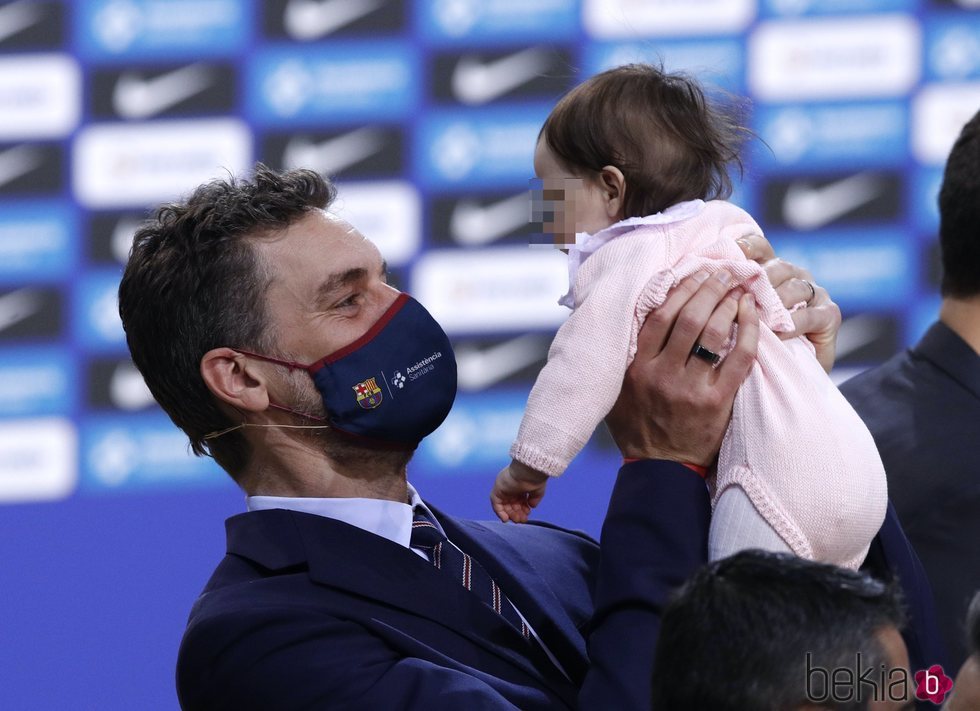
(394, 385)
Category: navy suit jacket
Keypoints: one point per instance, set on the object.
(923, 409)
(308, 612)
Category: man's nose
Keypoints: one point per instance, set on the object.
(386, 296)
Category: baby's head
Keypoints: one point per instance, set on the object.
(638, 140)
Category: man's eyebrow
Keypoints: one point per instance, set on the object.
(339, 280)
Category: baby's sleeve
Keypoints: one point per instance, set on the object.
(582, 378)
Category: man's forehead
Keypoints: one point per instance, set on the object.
(339, 222)
(321, 242)
(349, 233)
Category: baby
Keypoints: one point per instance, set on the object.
(637, 159)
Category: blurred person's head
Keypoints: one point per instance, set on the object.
(959, 215)
(766, 632)
(966, 688)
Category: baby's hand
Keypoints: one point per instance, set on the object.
(518, 489)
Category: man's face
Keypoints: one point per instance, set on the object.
(329, 286)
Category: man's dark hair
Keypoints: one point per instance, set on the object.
(658, 128)
(737, 635)
(193, 283)
(959, 215)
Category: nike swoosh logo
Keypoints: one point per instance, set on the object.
(808, 208)
(312, 19)
(334, 154)
(127, 389)
(472, 224)
(18, 16)
(122, 238)
(138, 98)
(476, 82)
(18, 161)
(857, 332)
(479, 369)
(17, 306)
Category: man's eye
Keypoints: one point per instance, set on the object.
(350, 300)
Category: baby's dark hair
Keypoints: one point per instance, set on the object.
(671, 143)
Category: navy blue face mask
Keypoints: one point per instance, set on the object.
(391, 387)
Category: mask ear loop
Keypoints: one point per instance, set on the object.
(244, 424)
(292, 365)
(219, 433)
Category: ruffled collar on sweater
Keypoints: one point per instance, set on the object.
(586, 244)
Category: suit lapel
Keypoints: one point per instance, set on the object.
(386, 573)
(526, 588)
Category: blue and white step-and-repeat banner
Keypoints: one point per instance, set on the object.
(426, 113)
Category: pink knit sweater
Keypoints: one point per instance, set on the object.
(794, 444)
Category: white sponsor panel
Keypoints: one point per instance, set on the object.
(40, 96)
(493, 290)
(617, 19)
(868, 56)
(938, 114)
(118, 165)
(38, 459)
(389, 213)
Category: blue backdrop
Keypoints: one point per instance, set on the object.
(426, 112)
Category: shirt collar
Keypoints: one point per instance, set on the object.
(388, 519)
(586, 244)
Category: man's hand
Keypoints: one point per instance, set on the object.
(820, 320)
(674, 405)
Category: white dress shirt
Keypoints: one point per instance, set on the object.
(388, 519)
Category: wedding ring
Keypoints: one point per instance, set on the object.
(704, 354)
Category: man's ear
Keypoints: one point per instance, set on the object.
(235, 380)
(612, 183)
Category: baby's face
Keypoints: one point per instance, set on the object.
(562, 204)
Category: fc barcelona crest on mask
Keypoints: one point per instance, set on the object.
(368, 394)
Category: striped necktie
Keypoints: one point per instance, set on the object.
(451, 560)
